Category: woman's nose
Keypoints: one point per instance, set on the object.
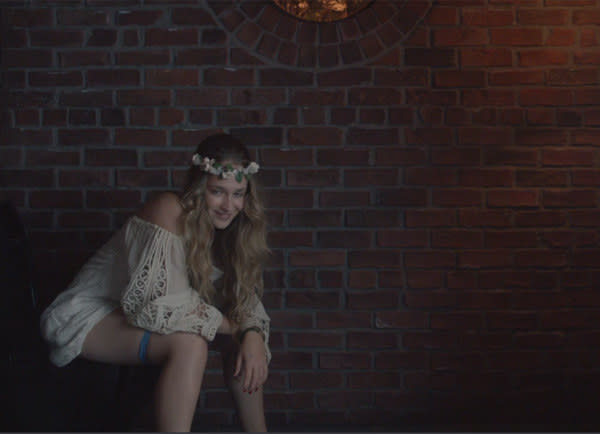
(226, 203)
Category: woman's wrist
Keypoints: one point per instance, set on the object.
(242, 333)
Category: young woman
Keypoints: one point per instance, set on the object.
(181, 270)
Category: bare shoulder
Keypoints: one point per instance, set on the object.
(163, 210)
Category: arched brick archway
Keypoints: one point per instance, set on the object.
(270, 33)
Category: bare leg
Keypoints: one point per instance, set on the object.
(250, 407)
(182, 356)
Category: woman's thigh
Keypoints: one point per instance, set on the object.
(113, 340)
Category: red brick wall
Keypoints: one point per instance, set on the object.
(432, 190)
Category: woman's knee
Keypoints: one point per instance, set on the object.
(183, 347)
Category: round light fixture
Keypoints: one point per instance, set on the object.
(322, 10)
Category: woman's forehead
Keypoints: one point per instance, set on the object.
(228, 183)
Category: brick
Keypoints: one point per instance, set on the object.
(512, 157)
(377, 258)
(170, 77)
(27, 178)
(83, 178)
(56, 38)
(375, 96)
(362, 279)
(171, 37)
(142, 116)
(346, 239)
(487, 17)
(369, 218)
(429, 340)
(516, 77)
(201, 56)
(548, 17)
(584, 177)
(30, 17)
(403, 77)
(372, 300)
(368, 177)
(492, 218)
(371, 340)
(374, 380)
(457, 197)
(343, 320)
(315, 136)
(543, 57)
(315, 339)
(510, 239)
(282, 77)
(343, 157)
(143, 57)
(429, 259)
(456, 238)
(142, 137)
(586, 16)
(290, 359)
(430, 176)
(512, 198)
(486, 258)
(422, 280)
(82, 17)
(572, 77)
(138, 17)
(460, 37)
(559, 37)
(570, 198)
(459, 78)
(402, 197)
(430, 218)
(485, 177)
(402, 238)
(372, 136)
(456, 321)
(344, 198)
(314, 218)
(312, 300)
(401, 320)
(73, 137)
(456, 156)
(540, 218)
(56, 199)
(551, 97)
(113, 199)
(585, 137)
(346, 77)
(85, 98)
(390, 279)
(324, 258)
(517, 37)
(484, 136)
(567, 320)
(345, 399)
(489, 57)
(569, 158)
(433, 57)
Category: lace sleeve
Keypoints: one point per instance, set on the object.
(256, 316)
(158, 296)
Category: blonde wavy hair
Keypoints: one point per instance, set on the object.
(240, 249)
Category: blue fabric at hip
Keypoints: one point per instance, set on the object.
(144, 347)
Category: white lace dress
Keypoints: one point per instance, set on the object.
(141, 269)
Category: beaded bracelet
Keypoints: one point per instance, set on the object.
(250, 329)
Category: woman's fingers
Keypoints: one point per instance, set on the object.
(238, 365)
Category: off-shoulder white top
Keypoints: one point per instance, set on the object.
(141, 269)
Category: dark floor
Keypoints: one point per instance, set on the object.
(37, 396)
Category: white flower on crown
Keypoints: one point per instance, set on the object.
(226, 172)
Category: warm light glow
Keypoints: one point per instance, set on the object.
(322, 10)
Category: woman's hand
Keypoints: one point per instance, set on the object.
(251, 362)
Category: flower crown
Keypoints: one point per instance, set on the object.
(224, 171)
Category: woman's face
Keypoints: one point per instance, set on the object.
(224, 199)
